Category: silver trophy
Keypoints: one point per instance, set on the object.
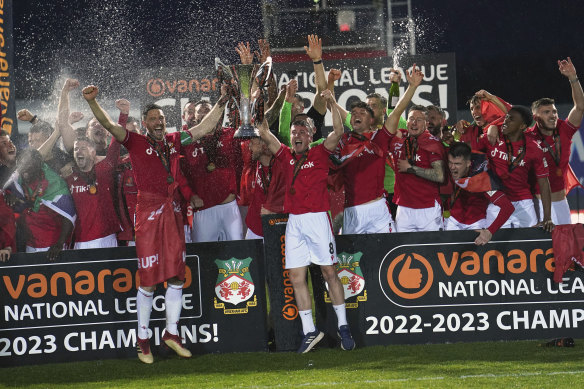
(248, 108)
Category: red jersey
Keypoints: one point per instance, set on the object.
(306, 191)
(529, 157)
(94, 198)
(410, 190)
(470, 207)
(364, 174)
(150, 174)
(472, 136)
(7, 225)
(213, 183)
(127, 198)
(556, 151)
(268, 190)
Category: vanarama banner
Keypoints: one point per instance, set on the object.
(7, 96)
(83, 306)
(439, 287)
(173, 88)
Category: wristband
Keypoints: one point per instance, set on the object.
(320, 61)
(574, 80)
(35, 116)
(411, 170)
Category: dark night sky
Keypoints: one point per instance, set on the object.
(507, 47)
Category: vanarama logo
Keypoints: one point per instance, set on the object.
(157, 87)
(439, 274)
(412, 281)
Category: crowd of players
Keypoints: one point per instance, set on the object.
(75, 187)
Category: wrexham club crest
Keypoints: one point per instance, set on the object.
(234, 285)
(351, 277)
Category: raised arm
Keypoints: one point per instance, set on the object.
(332, 140)
(66, 129)
(209, 122)
(334, 75)
(89, 94)
(26, 116)
(577, 112)
(262, 56)
(414, 77)
(46, 149)
(314, 51)
(286, 112)
(484, 95)
(272, 113)
(270, 139)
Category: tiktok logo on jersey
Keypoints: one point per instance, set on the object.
(151, 151)
(197, 151)
(398, 154)
(80, 188)
(496, 153)
(307, 165)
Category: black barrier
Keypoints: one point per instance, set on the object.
(436, 287)
(284, 318)
(83, 306)
(400, 289)
(7, 95)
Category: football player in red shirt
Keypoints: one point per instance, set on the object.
(268, 185)
(159, 218)
(514, 157)
(475, 187)
(554, 136)
(309, 235)
(92, 186)
(419, 159)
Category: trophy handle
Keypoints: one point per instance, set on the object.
(264, 72)
(224, 74)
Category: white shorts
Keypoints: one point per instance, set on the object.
(30, 249)
(310, 239)
(188, 233)
(560, 212)
(218, 223)
(369, 218)
(99, 243)
(524, 215)
(451, 224)
(423, 219)
(252, 235)
(36, 249)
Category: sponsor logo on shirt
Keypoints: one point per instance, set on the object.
(307, 165)
(80, 188)
(500, 154)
